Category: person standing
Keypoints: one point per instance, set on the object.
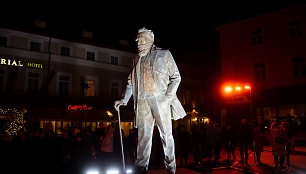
(244, 133)
(184, 144)
(229, 135)
(153, 83)
(277, 141)
(131, 146)
(259, 142)
(107, 145)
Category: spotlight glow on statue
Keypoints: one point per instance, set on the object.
(153, 82)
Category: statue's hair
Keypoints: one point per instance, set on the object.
(149, 32)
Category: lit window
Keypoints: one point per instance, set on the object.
(90, 91)
(114, 60)
(35, 46)
(260, 71)
(3, 41)
(64, 81)
(33, 79)
(299, 67)
(257, 38)
(296, 29)
(65, 51)
(91, 56)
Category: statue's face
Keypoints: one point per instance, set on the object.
(144, 42)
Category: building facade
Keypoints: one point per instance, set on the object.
(62, 82)
(268, 53)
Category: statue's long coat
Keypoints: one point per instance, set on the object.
(166, 76)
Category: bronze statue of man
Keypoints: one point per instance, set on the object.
(153, 82)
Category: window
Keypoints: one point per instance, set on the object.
(3, 41)
(114, 60)
(299, 67)
(260, 71)
(1, 79)
(64, 81)
(33, 79)
(91, 55)
(65, 51)
(114, 90)
(296, 29)
(91, 85)
(257, 38)
(35, 46)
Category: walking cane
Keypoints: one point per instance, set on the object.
(120, 133)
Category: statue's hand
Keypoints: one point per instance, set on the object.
(118, 103)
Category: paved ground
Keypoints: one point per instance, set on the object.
(298, 164)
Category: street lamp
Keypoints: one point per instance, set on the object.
(238, 88)
(238, 93)
(228, 89)
(247, 87)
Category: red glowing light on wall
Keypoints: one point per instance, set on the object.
(228, 89)
(235, 88)
(247, 87)
(78, 107)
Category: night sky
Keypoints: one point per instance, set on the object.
(186, 28)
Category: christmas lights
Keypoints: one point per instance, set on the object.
(16, 124)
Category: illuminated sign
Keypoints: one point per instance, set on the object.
(34, 65)
(11, 62)
(78, 107)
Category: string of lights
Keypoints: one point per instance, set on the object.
(15, 125)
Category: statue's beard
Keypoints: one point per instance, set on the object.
(144, 49)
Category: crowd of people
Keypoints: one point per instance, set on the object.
(73, 150)
(206, 141)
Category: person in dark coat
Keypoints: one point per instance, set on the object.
(230, 142)
(80, 154)
(66, 147)
(259, 142)
(196, 143)
(244, 134)
(213, 135)
(131, 146)
(183, 144)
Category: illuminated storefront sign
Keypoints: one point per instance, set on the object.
(12, 62)
(34, 65)
(78, 107)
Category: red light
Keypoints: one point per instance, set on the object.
(228, 89)
(238, 88)
(247, 87)
(78, 107)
